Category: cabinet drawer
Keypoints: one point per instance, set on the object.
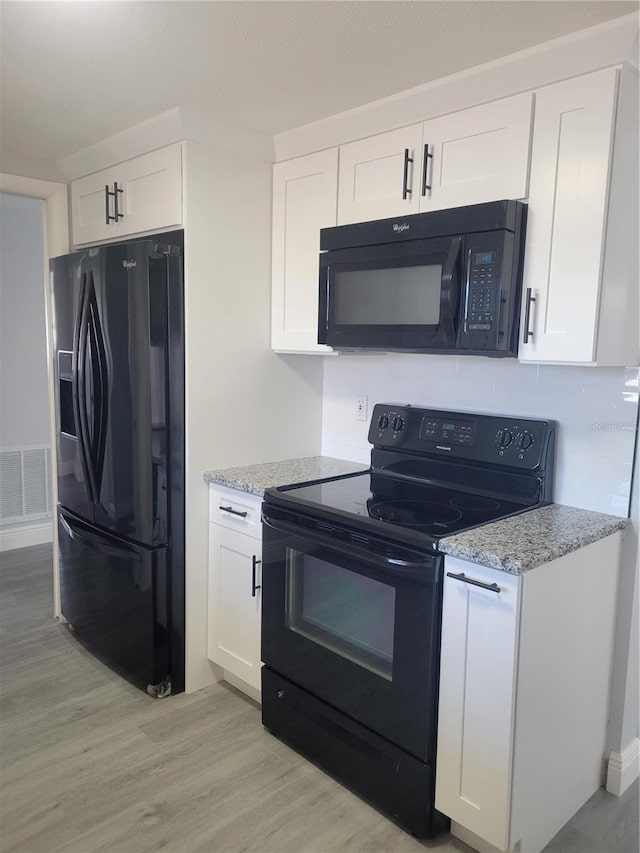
(235, 510)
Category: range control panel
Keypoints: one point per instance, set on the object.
(503, 440)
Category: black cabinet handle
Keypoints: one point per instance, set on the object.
(234, 511)
(116, 191)
(425, 167)
(492, 587)
(405, 188)
(107, 216)
(527, 316)
(255, 562)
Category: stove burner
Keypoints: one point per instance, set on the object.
(474, 502)
(419, 514)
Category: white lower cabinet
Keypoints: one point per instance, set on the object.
(477, 693)
(524, 690)
(235, 557)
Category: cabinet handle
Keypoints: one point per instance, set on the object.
(405, 188)
(107, 216)
(255, 562)
(527, 316)
(234, 511)
(117, 190)
(492, 587)
(425, 166)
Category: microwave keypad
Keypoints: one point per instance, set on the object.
(481, 294)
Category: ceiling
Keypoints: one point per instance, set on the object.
(74, 73)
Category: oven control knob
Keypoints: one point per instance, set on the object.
(383, 421)
(398, 424)
(504, 438)
(525, 441)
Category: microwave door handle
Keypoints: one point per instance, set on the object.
(450, 286)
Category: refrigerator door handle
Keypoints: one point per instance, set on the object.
(100, 408)
(79, 386)
(96, 542)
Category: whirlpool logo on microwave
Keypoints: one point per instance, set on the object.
(400, 227)
(129, 265)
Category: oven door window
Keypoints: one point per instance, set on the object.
(347, 613)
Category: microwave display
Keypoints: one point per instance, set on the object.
(399, 296)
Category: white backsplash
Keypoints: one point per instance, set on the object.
(596, 410)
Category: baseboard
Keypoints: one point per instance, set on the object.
(22, 535)
(623, 768)
(471, 839)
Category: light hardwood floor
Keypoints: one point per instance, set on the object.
(90, 763)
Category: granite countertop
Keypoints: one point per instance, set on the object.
(254, 479)
(516, 544)
(524, 541)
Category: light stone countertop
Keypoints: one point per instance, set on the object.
(513, 545)
(524, 541)
(254, 479)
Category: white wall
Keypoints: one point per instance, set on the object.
(24, 393)
(595, 409)
(244, 404)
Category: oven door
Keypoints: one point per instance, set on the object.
(393, 296)
(356, 626)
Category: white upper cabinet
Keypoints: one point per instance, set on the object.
(380, 176)
(480, 154)
(476, 155)
(134, 197)
(582, 206)
(304, 201)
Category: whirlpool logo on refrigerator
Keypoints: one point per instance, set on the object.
(400, 227)
(129, 265)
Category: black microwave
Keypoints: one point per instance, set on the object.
(448, 281)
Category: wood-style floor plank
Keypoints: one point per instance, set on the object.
(91, 764)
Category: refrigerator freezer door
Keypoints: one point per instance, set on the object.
(127, 348)
(69, 277)
(115, 595)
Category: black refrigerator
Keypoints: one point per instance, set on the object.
(119, 385)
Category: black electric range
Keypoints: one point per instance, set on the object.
(434, 473)
(352, 593)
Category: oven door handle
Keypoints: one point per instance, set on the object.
(393, 565)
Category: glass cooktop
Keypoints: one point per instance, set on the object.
(422, 507)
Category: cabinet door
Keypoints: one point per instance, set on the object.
(477, 696)
(234, 603)
(570, 163)
(89, 209)
(373, 182)
(478, 155)
(151, 197)
(304, 201)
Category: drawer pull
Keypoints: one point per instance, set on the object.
(492, 587)
(234, 511)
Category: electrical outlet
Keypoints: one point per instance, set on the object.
(360, 409)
